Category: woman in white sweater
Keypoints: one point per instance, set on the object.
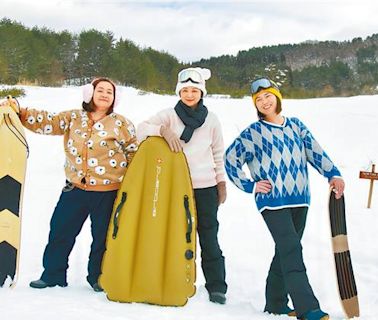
(191, 128)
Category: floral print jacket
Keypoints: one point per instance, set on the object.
(97, 152)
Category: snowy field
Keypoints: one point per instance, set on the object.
(347, 128)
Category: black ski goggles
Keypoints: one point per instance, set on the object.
(262, 83)
(190, 75)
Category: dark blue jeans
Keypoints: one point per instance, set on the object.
(287, 274)
(69, 215)
(212, 260)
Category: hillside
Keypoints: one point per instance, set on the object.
(311, 69)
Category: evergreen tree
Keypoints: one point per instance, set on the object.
(94, 54)
(66, 55)
(13, 49)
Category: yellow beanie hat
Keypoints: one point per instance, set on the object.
(272, 90)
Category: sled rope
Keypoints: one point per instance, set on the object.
(12, 128)
(188, 220)
(117, 213)
(16, 133)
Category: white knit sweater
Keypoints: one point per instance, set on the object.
(204, 151)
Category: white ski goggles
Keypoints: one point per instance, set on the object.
(190, 75)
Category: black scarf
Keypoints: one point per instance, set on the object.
(192, 118)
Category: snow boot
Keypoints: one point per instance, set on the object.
(217, 297)
(96, 287)
(316, 314)
(285, 311)
(40, 284)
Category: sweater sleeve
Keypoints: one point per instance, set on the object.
(151, 127)
(218, 150)
(235, 157)
(315, 154)
(45, 122)
(130, 145)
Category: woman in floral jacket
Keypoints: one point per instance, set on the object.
(99, 145)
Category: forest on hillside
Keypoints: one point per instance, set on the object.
(44, 57)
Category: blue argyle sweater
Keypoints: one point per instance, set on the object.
(278, 153)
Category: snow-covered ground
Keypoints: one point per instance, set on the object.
(347, 128)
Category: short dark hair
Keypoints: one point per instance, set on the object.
(90, 106)
(278, 108)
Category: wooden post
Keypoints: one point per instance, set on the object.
(371, 176)
(371, 186)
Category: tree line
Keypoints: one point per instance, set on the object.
(44, 57)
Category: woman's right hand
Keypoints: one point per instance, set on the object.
(13, 103)
(171, 138)
(263, 186)
(4, 103)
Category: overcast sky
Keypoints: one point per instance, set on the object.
(191, 30)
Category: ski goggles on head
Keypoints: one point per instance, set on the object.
(262, 83)
(190, 75)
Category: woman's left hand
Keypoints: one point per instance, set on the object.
(337, 185)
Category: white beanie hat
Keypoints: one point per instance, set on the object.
(88, 90)
(193, 77)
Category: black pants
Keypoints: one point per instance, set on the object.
(213, 265)
(69, 215)
(287, 274)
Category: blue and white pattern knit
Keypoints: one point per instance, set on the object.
(278, 153)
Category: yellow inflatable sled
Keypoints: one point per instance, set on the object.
(13, 154)
(150, 248)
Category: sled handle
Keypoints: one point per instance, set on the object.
(117, 213)
(188, 220)
(14, 106)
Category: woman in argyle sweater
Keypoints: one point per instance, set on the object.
(276, 150)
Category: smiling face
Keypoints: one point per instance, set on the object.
(190, 96)
(266, 104)
(103, 96)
